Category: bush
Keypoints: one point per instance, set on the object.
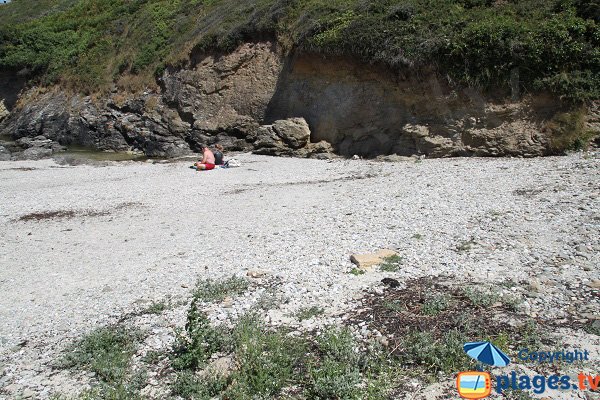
(435, 355)
(105, 351)
(266, 360)
(209, 290)
(198, 343)
(337, 374)
(90, 43)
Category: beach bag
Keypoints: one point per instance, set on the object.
(233, 163)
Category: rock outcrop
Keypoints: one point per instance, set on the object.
(370, 110)
(287, 138)
(259, 99)
(224, 98)
(3, 110)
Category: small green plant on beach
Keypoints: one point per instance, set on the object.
(443, 354)
(309, 312)
(481, 297)
(153, 357)
(270, 300)
(391, 263)
(435, 304)
(189, 386)
(267, 360)
(394, 306)
(198, 341)
(357, 271)
(209, 290)
(530, 335)
(511, 301)
(157, 307)
(336, 374)
(107, 353)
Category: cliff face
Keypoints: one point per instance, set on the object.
(367, 110)
(351, 108)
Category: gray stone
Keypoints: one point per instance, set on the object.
(35, 153)
(594, 284)
(255, 273)
(4, 154)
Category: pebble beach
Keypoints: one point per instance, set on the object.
(82, 245)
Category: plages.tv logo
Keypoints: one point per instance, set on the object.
(478, 384)
(474, 385)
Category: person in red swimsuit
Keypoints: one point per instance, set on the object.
(208, 160)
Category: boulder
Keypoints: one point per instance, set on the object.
(293, 131)
(289, 137)
(38, 141)
(321, 147)
(35, 153)
(4, 154)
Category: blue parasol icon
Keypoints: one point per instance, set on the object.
(486, 353)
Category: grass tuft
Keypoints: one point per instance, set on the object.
(357, 271)
(105, 351)
(309, 312)
(481, 297)
(391, 264)
(157, 307)
(198, 342)
(209, 290)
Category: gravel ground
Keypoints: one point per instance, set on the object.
(125, 234)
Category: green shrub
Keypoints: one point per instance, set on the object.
(481, 297)
(209, 290)
(552, 45)
(391, 264)
(337, 374)
(444, 354)
(266, 360)
(105, 351)
(199, 341)
(189, 386)
(435, 304)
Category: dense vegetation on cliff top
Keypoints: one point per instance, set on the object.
(89, 44)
